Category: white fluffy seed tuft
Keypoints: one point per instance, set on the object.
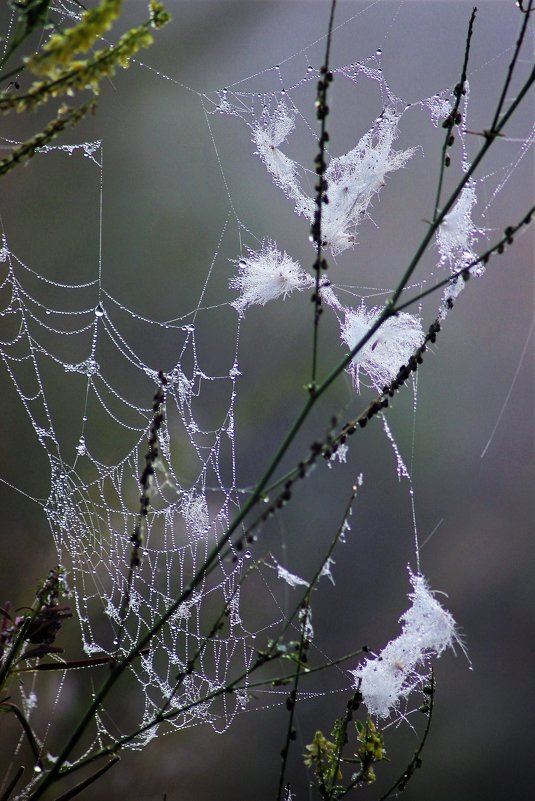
(352, 179)
(427, 630)
(265, 275)
(384, 353)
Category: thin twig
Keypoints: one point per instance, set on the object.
(30, 736)
(454, 117)
(512, 65)
(316, 231)
(11, 786)
(464, 272)
(74, 791)
(400, 784)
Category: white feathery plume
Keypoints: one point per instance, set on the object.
(353, 179)
(457, 234)
(390, 347)
(427, 630)
(266, 275)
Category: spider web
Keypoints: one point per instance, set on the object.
(75, 346)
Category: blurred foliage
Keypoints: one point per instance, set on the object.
(61, 72)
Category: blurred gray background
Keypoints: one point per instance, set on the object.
(164, 207)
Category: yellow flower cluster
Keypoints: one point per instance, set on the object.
(372, 748)
(57, 54)
(322, 758)
(158, 15)
(60, 73)
(79, 75)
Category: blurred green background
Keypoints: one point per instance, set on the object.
(164, 207)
